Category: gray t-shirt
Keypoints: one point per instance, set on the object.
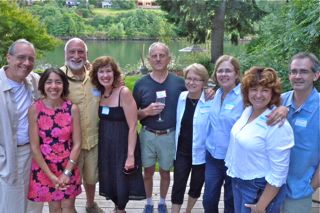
(144, 93)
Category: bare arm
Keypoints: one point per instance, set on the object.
(76, 140)
(268, 194)
(130, 110)
(35, 145)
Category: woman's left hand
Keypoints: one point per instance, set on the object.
(63, 181)
(255, 208)
(129, 163)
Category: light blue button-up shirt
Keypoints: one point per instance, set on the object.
(200, 123)
(222, 117)
(305, 155)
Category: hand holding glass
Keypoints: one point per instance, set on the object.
(161, 100)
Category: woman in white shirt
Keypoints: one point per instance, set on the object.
(192, 120)
(258, 154)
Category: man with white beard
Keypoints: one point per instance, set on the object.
(86, 96)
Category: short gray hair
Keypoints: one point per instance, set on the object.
(75, 39)
(156, 44)
(11, 49)
(315, 61)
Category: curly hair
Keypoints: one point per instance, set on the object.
(260, 76)
(235, 63)
(101, 62)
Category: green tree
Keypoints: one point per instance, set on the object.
(127, 4)
(116, 31)
(60, 21)
(16, 23)
(198, 19)
(293, 28)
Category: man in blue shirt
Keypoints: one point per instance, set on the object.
(303, 105)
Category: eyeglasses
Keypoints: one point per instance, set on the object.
(24, 58)
(300, 72)
(197, 81)
(226, 71)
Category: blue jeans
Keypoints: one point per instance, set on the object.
(249, 191)
(215, 175)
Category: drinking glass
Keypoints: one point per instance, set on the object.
(163, 101)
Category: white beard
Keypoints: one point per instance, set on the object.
(75, 66)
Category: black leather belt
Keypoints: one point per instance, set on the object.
(159, 132)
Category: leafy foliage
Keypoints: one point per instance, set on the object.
(60, 21)
(194, 17)
(293, 28)
(16, 23)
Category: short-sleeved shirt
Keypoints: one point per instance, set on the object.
(144, 93)
(85, 95)
(305, 155)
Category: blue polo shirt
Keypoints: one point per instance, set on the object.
(305, 155)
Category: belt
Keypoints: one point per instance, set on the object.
(159, 132)
(20, 145)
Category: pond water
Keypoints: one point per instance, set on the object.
(124, 52)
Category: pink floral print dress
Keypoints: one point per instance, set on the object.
(55, 134)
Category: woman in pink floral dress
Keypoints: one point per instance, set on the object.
(54, 129)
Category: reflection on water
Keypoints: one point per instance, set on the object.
(125, 52)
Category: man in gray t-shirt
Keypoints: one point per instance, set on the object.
(156, 136)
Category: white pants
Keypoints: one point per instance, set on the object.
(13, 197)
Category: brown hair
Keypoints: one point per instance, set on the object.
(235, 63)
(101, 62)
(260, 76)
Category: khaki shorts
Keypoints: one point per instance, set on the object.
(88, 165)
(297, 206)
(159, 148)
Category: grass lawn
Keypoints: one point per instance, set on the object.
(115, 12)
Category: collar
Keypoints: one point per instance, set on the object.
(73, 77)
(307, 105)
(184, 96)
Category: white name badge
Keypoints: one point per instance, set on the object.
(105, 110)
(301, 122)
(161, 94)
(229, 106)
(96, 92)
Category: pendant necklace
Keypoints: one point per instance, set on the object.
(193, 101)
(107, 96)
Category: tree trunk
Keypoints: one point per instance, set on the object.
(217, 31)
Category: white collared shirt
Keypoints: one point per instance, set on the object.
(200, 123)
(257, 150)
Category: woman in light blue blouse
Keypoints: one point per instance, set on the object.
(258, 155)
(192, 121)
(227, 108)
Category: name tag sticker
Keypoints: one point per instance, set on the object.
(301, 122)
(161, 94)
(229, 106)
(105, 110)
(96, 92)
